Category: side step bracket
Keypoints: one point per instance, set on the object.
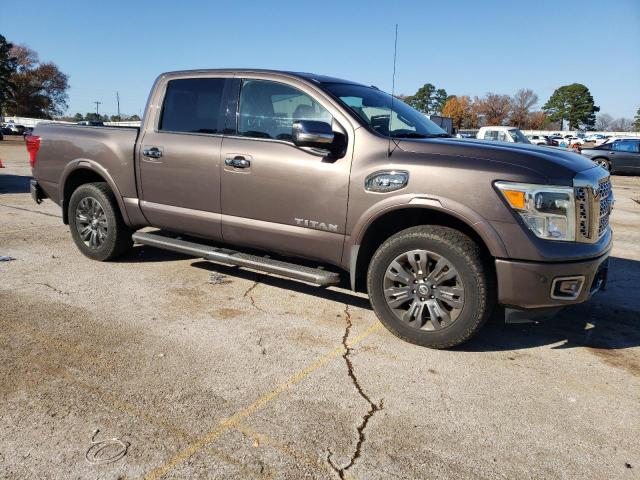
(239, 259)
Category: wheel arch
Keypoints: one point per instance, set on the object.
(81, 172)
(392, 220)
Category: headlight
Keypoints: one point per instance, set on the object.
(549, 212)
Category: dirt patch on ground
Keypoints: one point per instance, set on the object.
(619, 359)
(227, 313)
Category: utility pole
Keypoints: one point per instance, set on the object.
(97, 105)
(118, 100)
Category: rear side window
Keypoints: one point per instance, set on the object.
(268, 109)
(491, 135)
(192, 105)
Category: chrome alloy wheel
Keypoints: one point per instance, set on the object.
(91, 222)
(423, 290)
(603, 163)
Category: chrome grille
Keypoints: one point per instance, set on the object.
(582, 210)
(593, 207)
(605, 200)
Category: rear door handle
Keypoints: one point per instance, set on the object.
(237, 161)
(152, 152)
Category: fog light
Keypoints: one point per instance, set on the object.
(567, 288)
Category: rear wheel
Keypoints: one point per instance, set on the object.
(96, 225)
(429, 286)
(603, 162)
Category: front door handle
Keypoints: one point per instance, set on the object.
(237, 161)
(152, 152)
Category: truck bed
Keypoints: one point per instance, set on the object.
(106, 148)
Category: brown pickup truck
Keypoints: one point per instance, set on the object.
(336, 181)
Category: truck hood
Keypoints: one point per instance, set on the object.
(558, 166)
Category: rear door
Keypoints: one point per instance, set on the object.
(275, 195)
(179, 156)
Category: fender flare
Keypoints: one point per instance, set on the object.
(461, 212)
(86, 164)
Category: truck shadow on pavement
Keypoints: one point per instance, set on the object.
(143, 254)
(333, 295)
(14, 184)
(609, 321)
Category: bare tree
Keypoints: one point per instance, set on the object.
(603, 122)
(537, 120)
(495, 108)
(621, 125)
(521, 104)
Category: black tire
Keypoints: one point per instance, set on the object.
(474, 275)
(603, 162)
(117, 239)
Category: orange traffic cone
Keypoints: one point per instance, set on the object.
(1, 165)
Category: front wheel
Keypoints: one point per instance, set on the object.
(96, 225)
(430, 286)
(604, 163)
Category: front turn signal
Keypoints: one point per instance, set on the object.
(515, 198)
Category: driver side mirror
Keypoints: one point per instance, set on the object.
(313, 134)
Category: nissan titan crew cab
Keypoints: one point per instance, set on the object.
(335, 180)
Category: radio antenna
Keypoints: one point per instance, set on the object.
(393, 87)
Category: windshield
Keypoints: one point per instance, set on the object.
(517, 136)
(373, 106)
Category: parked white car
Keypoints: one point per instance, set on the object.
(502, 134)
(537, 139)
(596, 138)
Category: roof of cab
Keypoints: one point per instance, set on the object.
(312, 77)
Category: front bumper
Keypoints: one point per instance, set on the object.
(36, 192)
(528, 285)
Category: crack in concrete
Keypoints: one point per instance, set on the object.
(53, 288)
(373, 407)
(253, 300)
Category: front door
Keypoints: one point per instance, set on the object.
(277, 196)
(625, 156)
(179, 158)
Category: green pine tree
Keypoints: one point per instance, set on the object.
(573, 103)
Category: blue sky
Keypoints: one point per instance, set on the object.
(466, 47)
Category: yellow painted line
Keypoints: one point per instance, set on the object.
(238, 417)
(83, 356)
(132, 409)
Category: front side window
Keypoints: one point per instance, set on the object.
(517, 136)
(192, 105)
(268, 110)
(626, 146)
